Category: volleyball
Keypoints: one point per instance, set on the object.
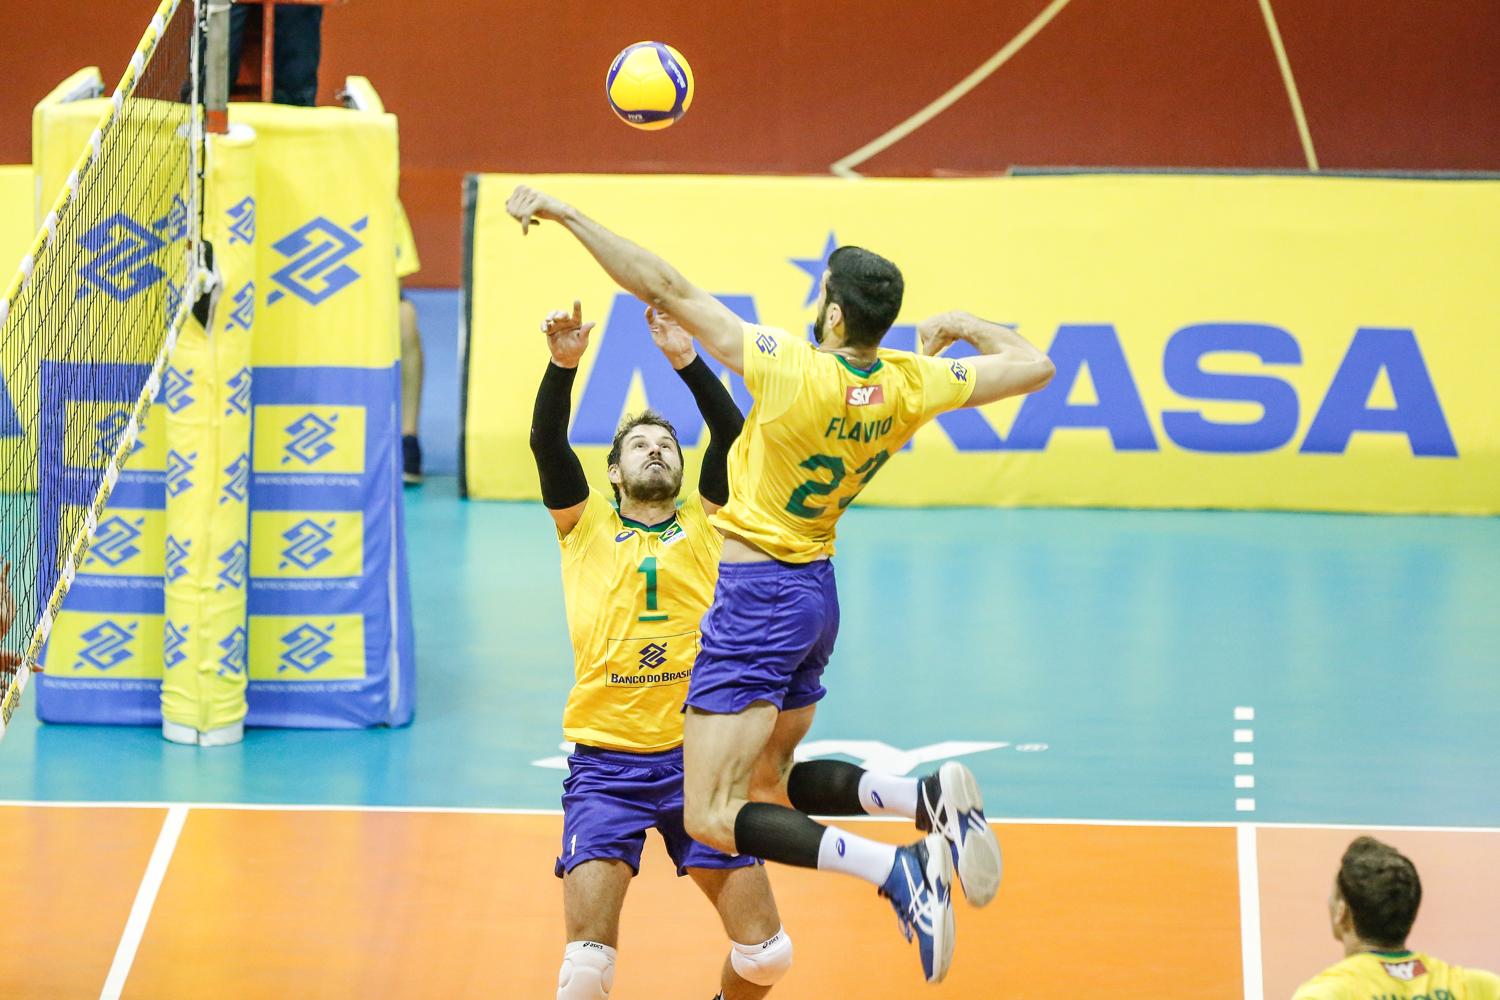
(649, 85)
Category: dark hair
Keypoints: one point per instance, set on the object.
(1381, 888)
(868, 288)
(630, 422)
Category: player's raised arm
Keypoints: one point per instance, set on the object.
(565, 489)
(719, 411)
(1008, 365)
(643, 274)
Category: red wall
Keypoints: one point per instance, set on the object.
(789, 87)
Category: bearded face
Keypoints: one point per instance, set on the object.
(650, 468)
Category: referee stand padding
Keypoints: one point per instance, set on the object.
(327, 640)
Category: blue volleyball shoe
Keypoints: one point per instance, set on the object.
(920, 887)
(952, 806)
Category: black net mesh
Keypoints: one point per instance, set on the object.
(86, 326)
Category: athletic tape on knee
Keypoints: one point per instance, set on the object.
(763, 964)
(588, 971)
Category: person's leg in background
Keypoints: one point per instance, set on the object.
(411, 393)
(299, 46)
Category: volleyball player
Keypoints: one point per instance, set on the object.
(638, 575)
(1374, 902)
(825, 419)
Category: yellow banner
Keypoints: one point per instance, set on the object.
(1227, 342)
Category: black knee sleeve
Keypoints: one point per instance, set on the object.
(776, 833)
(825, 788)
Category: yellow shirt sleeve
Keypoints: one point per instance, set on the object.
(1482, 985)
(1321, 989)
(406, 244)
(595, 508)
(773, 369)
(947, 384)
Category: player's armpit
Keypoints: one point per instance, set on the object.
(999, 377)
(567, 519)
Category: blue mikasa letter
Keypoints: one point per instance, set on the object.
(1119, 409)
(1417, 412)
(1278, 400)
(625, 348)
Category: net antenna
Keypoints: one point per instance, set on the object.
(87, 324)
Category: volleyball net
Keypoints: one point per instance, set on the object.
(86, 326)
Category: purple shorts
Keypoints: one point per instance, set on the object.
(767, 636)
(610, 797)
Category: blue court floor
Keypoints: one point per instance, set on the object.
(1105, 652)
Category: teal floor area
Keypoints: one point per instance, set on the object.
(1108, 651)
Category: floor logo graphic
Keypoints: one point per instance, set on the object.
(114, 541)
(236, 649)
(307, 647)
(243, 313)
(178, 467)
(121, 266)
(107, 645)
(239, 399)
(177, 553)
(235, 560)
(307, 544)
(173, 226)
(317, 269)
(242, 221)
(310, 434)
(237, 480)
(173, 639)
(653, 656)
(174, 389)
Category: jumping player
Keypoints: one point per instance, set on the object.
(1372, 907)
(824, 422)
(637, 581)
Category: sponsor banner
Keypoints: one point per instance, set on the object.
(322, 637)
(1300, 343)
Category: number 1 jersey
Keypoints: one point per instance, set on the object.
(818, 433)
(635, 596)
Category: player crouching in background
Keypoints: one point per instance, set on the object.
(637, 580)
(1374, 903)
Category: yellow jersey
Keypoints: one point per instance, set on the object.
(819, 431)
(1398, 975)
(635, 596)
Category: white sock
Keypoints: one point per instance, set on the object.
(867, 859)
(888, 794)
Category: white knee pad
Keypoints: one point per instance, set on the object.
(588, 971)
(763, 964)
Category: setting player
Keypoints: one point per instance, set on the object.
(1372, 907)
(824, 421)
(637, 581)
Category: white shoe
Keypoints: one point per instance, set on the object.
(951, 805)
(223, 736)
(178, 733)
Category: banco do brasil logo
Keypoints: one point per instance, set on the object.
(106, 645)
(653, 656)
(122, 249)
(307, 544)
(306, 647)
(114, 540)
(309, 438)
(317, 269)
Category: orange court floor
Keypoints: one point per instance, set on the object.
(317, 902)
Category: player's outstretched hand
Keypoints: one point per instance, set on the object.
(567, 336)
(528, 205)
(675, 342)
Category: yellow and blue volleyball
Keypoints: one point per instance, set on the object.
(649, 85)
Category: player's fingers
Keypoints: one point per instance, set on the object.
(586, 328)
(577, 311)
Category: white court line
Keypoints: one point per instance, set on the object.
(480, 811)
(1250, 912)
(1291, 85)
(145, 898)
(845, 167)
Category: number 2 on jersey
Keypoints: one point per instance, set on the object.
(797, 503)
